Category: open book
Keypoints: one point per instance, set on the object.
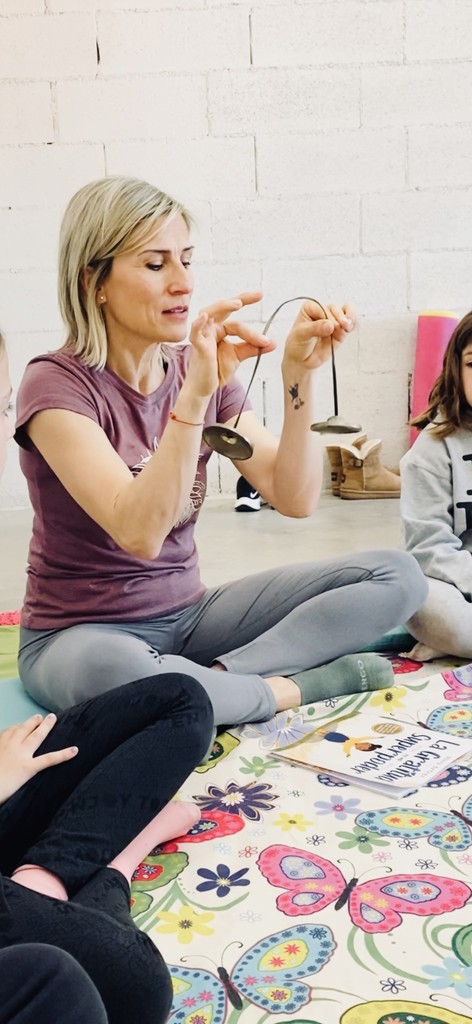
(391, 757)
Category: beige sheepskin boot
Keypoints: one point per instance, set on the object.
(336, 462)
(363, 474)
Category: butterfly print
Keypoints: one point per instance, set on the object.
(312, 883)
(446, 830)
(269, 974)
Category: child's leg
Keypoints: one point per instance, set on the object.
(443, 625)
(121, 961)
(39, 982)
(137, 731)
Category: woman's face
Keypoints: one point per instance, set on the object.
(6, 423)
(147, 293)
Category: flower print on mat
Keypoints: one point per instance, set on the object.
(400, 1011)
(211, 825)
(279, 732)
(222, 880)
(446, 830)
(312, 883)
(337, 806)
(248, 800)
(269, 975)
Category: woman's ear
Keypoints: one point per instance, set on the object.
(87, 275)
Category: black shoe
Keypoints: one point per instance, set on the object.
(247, 499)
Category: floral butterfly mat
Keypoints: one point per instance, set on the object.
(299, 899)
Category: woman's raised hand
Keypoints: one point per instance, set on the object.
(18, 745)
(212, 333)
(309, 341)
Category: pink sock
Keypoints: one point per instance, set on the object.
(41, 880)
(175, 819)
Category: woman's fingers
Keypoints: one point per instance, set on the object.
(246, 333)
(344, 316)
(218, 311)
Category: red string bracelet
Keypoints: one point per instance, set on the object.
(187, 423)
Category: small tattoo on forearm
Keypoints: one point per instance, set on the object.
(296, 400)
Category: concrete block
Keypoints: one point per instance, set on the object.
(309, 226)
(202, 168)
(173, 40)
(25, 113)
(279, 99)
(24, 347)
(387, 345)
(416, 94)
(441, 280)
(416, 220)
(21, 7)
(48, 46)
(47, 175)
(375, 285)
(440, 155)
(101, 110)
(437, 31)
(220, 280)
(328, 33)
(28, 239)
(121, 5)
(28, 302)
(361, 160)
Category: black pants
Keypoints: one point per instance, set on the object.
(43, 985)
(74, 818)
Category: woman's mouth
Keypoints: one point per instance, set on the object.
(179, 312)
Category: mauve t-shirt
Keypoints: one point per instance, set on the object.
(76, 572)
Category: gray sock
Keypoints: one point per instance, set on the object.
(355, 673)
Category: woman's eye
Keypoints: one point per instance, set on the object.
(154, 266)
(186, 263)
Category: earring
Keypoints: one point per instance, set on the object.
(102, 298)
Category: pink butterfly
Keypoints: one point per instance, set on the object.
(460, 681)
(312, 883)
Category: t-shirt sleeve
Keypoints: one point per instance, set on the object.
(230, 400)
(49, 385)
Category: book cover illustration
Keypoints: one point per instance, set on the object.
(382, 753)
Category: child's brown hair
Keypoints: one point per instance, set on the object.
(448, 409)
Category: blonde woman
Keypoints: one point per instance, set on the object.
(110, 429)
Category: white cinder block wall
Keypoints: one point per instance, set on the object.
(324, 146)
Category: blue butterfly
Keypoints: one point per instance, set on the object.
(268, 974)
(455, 719)
(330, 780)
(446, 830)
(452, 776)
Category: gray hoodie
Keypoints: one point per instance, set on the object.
(436, 506)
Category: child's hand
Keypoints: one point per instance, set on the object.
(18, 744)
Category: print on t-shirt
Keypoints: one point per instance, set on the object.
(197, 493)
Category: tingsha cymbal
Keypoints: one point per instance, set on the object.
(228, 442)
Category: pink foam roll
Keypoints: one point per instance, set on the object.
(433, 333)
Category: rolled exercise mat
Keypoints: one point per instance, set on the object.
(433, 333)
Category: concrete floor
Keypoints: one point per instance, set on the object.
(233, 544)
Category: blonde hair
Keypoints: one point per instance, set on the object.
(103, 219)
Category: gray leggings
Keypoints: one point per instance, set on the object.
(276, 622)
